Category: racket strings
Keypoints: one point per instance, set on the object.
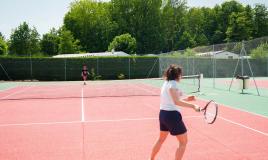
(211, 112)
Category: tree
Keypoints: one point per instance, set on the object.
(197, 27)
(2, 36)
(195, 21)
(68, 45)
(210, 25)
(201, 39)
(186, 41)
(172, 24)
(217, 37)
(125, 43)
(3, 46)
(34, 42)
(260, 15)
(223, 13)
(24, 40)
(240, 27)
(50, 42)
(142, 20)
(90, 23)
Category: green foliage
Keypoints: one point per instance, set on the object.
(165, 29)
(189, 53)
(240, 26)
(3, 46)
(93, 75)
(121, 76)
(201, 39)
(217, 37)
(172, 24)
(67, 44)
(195, 21)
(224, 12)
(125, 43)
(94, 24)
(50, 43)
(24, 41)
(2, 36)
(260, 15)
(90, 22)
(142, 20)
(237, 48)
(186, 40)
(260, 52)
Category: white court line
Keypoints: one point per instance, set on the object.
(133, 119)
(121, 120)
(244, 126)
(90, 121)
(82, 106)
(83, 121)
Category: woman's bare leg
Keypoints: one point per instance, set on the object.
(85, 79)
(182, 146)
(161, 139)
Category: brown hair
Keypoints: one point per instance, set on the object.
(173, 72)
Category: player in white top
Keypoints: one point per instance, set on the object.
(170, 119)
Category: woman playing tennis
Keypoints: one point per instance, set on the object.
(169, 117)
(84, 73)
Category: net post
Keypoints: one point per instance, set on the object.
(199, 81)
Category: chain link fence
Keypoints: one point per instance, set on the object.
(220, 64)
(69, 69)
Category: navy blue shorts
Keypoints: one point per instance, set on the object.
(171, 121)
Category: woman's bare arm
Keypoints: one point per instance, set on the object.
(182, 103)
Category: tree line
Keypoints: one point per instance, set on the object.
(141, 27)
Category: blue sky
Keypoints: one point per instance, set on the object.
(45, 14)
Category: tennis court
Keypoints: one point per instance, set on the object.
(119, 120)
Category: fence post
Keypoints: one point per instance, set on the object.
(128, 68)
(267, 66)
(97, 66)
(65, 74)
(213, 66)
(31, 67)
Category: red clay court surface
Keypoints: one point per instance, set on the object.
(118, 128)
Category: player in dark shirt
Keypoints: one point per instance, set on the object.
(84, 73)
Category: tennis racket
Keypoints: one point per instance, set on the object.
(210, 112)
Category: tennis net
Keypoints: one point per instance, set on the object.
(93, 89)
